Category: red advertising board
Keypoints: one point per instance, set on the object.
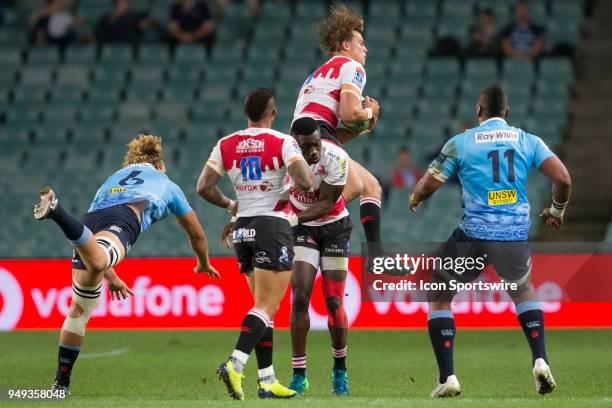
(35, 294)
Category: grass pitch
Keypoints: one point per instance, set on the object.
(386, 369)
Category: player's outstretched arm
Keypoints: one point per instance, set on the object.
(207, 189)
(328, 195)
(301, 174)
(197, 239)
(554, 169)
(424, 188)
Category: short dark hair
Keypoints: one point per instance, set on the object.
(304, 127)
(256, 104)
(493, 101)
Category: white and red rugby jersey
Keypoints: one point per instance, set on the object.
(256, 161)
(320, 95)
(332, 169)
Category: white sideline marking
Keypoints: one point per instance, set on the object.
(111, 353)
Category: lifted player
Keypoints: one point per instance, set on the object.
(492, 160)
(333, 94)
(321, 239)
(126, 205)
(257, 161)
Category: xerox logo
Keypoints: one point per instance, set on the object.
(11, 300)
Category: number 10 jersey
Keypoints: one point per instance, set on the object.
(256, 161)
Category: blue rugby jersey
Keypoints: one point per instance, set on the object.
(492, 161)
(139, 183)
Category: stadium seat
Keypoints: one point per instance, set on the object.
(36, 76)
(43, 56)
(117, 53)
(99, 109)
(142, 93)
(443, 67)
(190, 54)
(154, 55)
(80, 55)
(77, 75)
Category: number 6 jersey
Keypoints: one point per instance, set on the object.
(142, 183)
(256, 161)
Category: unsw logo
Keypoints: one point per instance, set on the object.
(250, 145)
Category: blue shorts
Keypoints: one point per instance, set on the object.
(511, 259)
(121, 220)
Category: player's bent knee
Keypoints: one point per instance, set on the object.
(111, 252)
(85, 298)
(333, 304)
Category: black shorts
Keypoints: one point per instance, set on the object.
(264, 243)
(511, 259)
(331, 240)
(327, 132)
(121, 220)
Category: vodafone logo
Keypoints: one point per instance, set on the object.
(352, 304)
(12, 300)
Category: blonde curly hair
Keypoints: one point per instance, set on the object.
(144, 149)
(338, 27)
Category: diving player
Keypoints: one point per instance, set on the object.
(126, 205)
(493, 161)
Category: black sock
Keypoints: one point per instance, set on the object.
(73, 228)
(339, 356)
(263, 349)
(369, 212)
(340, 363)
(299, 371)
(442, 335)
(66, 358)
(252, 330)
(531, 318)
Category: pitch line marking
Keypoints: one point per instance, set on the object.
(111, 353)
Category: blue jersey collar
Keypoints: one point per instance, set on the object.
(492, 119)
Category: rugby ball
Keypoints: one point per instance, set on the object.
(360, 126)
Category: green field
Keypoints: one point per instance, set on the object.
(386, 369)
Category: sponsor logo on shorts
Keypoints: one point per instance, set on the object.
(250, 146)
(244, 235)
(447, 332)
(284, 258)
(334, 249)
(261, 257)
(494, 136)
(300, 238)
(115, 228)
(501, 197)
(114, 190)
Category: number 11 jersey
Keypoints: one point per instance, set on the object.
(493, 161)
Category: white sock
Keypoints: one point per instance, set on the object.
(239, 360)
(266, 375)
